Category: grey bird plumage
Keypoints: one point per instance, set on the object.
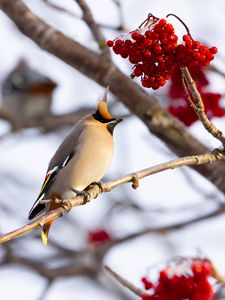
(82, 158)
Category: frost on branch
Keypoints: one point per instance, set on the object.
(154, 50)
(185, 278)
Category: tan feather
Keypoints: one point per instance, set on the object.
(103, 106)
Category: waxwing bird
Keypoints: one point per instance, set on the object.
(83, 158)
(27, 94)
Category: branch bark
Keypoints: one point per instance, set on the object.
(95, 190)
(198, 106)
(137, 291)
(158, 121)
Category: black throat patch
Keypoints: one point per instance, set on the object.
(100, 118)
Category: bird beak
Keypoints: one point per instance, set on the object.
(117, 121)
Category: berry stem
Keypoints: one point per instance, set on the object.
(182, 22)
(146, 21)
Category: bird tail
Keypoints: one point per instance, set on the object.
(45, 231)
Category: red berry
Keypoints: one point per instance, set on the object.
(116, 49)
(157, 49)
(128, 43)
(203, 49)
(169, 28)
(148, 42)
(137, 71)
(147, 54)
(98, 236)
(110, 43)
(119, 42)
(145, 83)
(196, 44)
(147, 284)
(187, 37)
(134, 35)
(148, 33)
(213, 50)
(162, 22)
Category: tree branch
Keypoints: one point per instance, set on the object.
(73, 15)
(137, 291)
(94, 27)
(95, 190)
(199, 108)
(167, 228)
(50, 273)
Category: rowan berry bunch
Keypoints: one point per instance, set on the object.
(98, 236)
(186, 280)
(154, 50)
(179, 105)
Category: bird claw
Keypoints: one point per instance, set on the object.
(84, 194)
(98, 183)
(65, 207)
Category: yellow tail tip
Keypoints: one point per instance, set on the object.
(44, 238)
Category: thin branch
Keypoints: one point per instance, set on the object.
(214, 69)
(94, 28)
(217, 274)
(198, 107)
(50, 273)
(121, 16)
(75, 16)
(95, 190)
(172, 227)
(137, 291)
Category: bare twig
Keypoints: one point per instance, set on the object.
(216, 70)
(50, 273)
(75, 16)
(95, 190)
(198, 107)
(172, 227)
(121, 16)
(216, 273)
(95, 28)
(137, 291)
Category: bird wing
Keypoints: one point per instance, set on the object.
(60, 159)
(50, 177)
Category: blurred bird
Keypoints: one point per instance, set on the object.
(26, 93)
(83, 158)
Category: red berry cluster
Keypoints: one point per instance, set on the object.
(154, 51)
(192, 53)
(179, 106)
(192, 285)
(98, 236)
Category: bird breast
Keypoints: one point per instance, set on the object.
(93, 156)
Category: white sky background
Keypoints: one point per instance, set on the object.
(25, 156)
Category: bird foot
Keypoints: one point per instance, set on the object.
(84, 193)
(65, 206)
(98, 183)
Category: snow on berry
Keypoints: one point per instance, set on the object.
(154, 51)
(187, 279)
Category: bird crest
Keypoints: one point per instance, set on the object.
(102, 108)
